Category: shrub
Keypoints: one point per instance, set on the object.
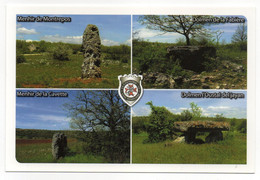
(186, 115)
(20, 58)
(61, 52)
(140, 123)
(242, 126)
(160, 124)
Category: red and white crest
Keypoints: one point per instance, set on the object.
(130, 88)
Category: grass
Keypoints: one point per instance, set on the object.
(42, 153)
(42, 71)
(232, 150)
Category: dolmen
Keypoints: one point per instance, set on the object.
(191, 128)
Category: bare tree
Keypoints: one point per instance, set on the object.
(184, 25)
(241, 34)
(92, 112)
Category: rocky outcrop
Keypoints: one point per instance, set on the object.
(159, 80)
(59, 145)
(91, 51)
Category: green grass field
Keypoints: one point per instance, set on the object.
(41, 152)
(42, 71)
(232, 150)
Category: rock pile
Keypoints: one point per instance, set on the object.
(59, 145)
(91, 51)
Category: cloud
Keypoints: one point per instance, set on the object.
(148, 33)
(76, 40)
(230, 112)
(65, 39)
(23, 30)
(128, 42)
(22, 105)
(53, 118)
(107, 42)
(141, 111)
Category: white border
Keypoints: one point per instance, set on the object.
(13, 165)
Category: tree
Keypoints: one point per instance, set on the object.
(184, 25)
(160, 123)
(195, 110)
(241, 34)
(104, 117)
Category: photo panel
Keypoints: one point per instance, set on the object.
(72, 126)
(190, 127)
(190, 51)
(72, 51)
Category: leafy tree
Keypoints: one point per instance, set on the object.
(186, 115)
(107, 117)
(241, 34)
(160, 125)
(220, 117)
(181, 24)
(195, 110)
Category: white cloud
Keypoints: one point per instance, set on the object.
(128, 42)
(148, 33)
(218, 107)
(65, 39)
(44, 117)
(141, 111)
(28, 40)
(22, 105)
(23, 30)
(230, 112)
(107, 42)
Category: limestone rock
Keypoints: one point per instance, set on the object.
(180, 140)
(159, 80)
(91, 51)
(59, 145)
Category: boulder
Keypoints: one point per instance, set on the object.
(91, 51)
(59, 145)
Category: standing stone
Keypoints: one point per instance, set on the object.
(59, 145)
(91, 51)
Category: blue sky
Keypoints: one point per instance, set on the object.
(113, 29)
(210, 107)
(42, 112)
(156, 36)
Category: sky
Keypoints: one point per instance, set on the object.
(113, 29)
(42, 112)
(157, 36)
(172, 100)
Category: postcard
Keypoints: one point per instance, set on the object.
(124, 90)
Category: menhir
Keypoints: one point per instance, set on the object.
(91, 51)
(59, 145)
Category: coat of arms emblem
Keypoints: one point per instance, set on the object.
(130, 88)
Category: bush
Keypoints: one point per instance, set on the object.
(139, 124)
(20, 58)
(242, 126)
(160, 124)
(62, 52)
(186, 115)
